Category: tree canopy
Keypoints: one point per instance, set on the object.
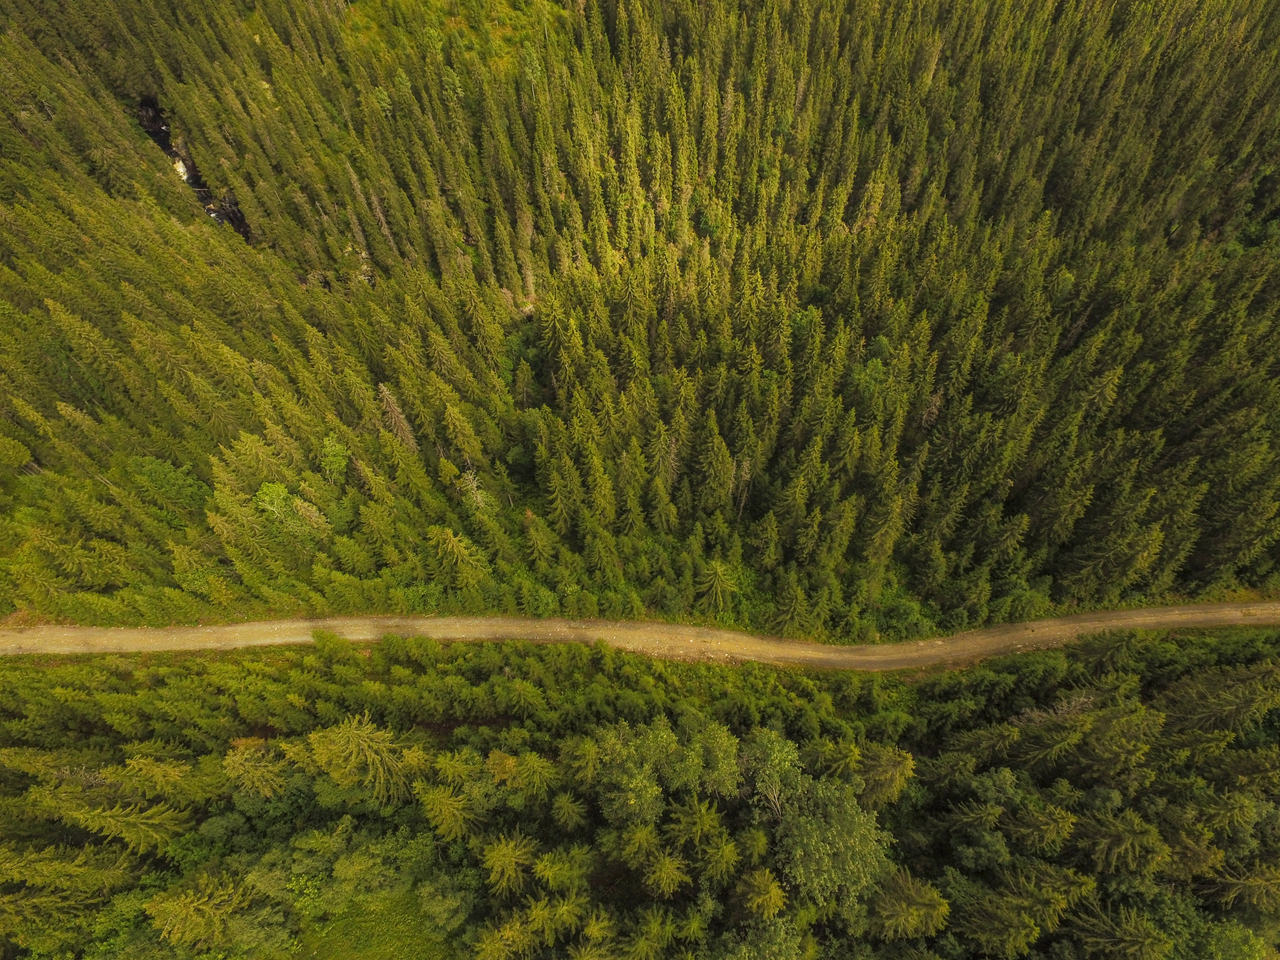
(521, 801)
(826, 318)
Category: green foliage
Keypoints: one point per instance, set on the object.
(827, 318)
(521, 800)
(356, 753)
(818, 317)
(198, 917)
(907, 908)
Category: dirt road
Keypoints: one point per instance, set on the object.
(654, 639)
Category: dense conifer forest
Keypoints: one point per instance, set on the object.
(842, 319)
(836, 319)
(412, 801)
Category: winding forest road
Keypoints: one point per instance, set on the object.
(671, 641)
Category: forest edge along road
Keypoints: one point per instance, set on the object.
(670, 641)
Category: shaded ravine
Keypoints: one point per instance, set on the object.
(224, 211)
(671, 641)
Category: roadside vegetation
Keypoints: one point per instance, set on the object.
(829, 319)
(408, 799)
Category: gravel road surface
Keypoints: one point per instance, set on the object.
(673, 641)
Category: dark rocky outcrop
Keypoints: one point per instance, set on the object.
(225, 210)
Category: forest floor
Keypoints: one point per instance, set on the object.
(671, 641)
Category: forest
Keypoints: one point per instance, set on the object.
(842, 319)
(420, 801)
(833, 319)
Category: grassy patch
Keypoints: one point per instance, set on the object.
(395, 930)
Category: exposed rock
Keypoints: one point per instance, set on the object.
(225, 210)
